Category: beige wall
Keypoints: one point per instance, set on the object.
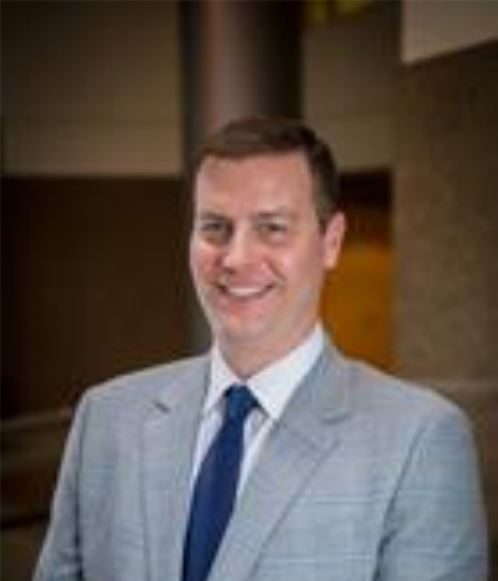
(351, 71)
(93, 88)
(441, 26)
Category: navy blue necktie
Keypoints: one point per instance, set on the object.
(216, 487)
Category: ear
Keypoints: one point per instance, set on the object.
(333, 238)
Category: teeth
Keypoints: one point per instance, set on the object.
(244, 292)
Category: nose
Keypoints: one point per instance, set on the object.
(240, 250)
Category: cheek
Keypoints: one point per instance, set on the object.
(202, 259)
(303, 265)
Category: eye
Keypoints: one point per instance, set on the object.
(273, 231)
(215, 230)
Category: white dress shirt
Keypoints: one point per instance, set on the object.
(272, 387)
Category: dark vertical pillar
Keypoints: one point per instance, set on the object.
(239, 58)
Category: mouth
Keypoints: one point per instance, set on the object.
(244, 292)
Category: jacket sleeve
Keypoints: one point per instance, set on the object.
(436, 526)
(60, 557)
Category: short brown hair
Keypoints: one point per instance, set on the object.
(252, 136)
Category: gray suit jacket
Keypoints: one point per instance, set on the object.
(364, 479)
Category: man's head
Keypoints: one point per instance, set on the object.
(266, 228)
(254, 136)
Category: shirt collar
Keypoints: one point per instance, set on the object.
(274, 385)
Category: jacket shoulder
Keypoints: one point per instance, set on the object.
(139, 387)
(375, 390)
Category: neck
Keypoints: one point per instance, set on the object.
(247, 359)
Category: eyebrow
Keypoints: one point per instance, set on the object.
(278, 213)
(210, 215)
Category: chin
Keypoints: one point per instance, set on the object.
(242, 333)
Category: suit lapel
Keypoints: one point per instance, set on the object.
(294, 450)
(169, 439)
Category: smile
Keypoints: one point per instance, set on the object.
(244, 292)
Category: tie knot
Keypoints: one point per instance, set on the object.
(240, 401)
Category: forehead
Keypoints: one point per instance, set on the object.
(259, 179)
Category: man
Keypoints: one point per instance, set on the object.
(334, 471)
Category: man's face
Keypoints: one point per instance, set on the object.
(257, 253)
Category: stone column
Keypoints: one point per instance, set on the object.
(446, 237)
(446, 218)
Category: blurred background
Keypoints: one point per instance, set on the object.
(103, 105)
